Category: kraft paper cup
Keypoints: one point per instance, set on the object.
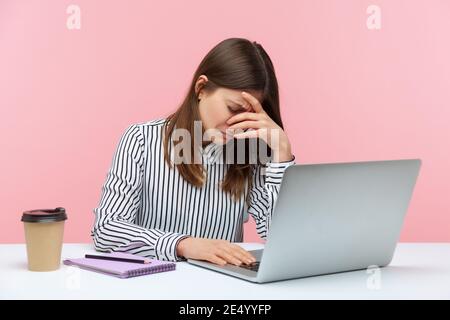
(44, 230)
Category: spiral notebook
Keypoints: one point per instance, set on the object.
(121, 269)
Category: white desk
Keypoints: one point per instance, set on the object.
(418, 271)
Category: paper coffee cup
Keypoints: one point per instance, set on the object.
(44, 230)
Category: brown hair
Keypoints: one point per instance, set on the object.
(238, 64)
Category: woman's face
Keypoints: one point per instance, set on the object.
(217, 107)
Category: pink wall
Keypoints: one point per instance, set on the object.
(348, 93)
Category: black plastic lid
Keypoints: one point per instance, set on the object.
(44, 215)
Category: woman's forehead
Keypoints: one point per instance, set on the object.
(236, 97)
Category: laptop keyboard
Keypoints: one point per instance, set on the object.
(254, 266)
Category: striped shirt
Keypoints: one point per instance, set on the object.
(146, 207)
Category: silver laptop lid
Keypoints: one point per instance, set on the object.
(337, 217)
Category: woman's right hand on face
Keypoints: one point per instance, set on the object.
(219, 252)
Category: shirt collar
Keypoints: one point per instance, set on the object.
(212, 152)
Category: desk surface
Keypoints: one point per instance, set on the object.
(418, 271)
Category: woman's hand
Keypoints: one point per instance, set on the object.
(219, 252)
(260, 125)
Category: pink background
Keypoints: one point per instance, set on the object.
(347, 93)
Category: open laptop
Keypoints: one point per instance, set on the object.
(330, 218)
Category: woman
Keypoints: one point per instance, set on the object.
(154, 207)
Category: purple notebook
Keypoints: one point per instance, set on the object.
(119, 268)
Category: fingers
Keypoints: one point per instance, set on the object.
(247, 124)
(253, 101)
(225, 252)
(247, 134)
(250, 258)
(244, 116)
(229, 257)
(217, 260)
(236, 255)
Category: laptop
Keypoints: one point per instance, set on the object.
(331, 218)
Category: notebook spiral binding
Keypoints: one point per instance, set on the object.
(156, 269)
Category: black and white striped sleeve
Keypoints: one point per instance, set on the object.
(264, 192)
(115, 228)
